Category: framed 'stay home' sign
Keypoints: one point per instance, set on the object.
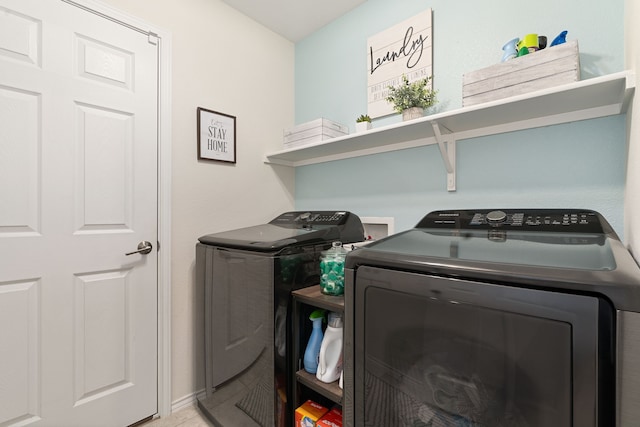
(406, 48)
(216, 136)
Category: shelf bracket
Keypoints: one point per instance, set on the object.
(447, 146)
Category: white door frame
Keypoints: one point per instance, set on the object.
(163, 39)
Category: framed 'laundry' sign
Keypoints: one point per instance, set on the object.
(216, 136)
(404, 49)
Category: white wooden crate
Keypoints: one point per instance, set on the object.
(553, 66)
(313, 131)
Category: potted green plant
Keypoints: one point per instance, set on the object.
(363, 123)
(411, 99)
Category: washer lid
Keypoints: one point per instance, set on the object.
(268, 237)
(292, 229)
(524, 248)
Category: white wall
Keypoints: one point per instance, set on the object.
(223, 61)
(632, 194)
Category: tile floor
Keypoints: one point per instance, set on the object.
(190, 416)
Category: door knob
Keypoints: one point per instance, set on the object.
(144, 248)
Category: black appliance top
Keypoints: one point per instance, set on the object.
(292, 229)
(571, 249)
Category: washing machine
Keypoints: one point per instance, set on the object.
(503, 317)
(246, 276)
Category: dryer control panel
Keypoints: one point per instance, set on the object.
(548, 220)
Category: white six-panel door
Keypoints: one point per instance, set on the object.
(78, 190)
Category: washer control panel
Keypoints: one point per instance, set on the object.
(312, 217)
(550, 220)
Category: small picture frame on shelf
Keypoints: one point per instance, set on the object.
(216, 136)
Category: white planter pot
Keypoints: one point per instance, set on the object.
(363, 126)
(412, 113)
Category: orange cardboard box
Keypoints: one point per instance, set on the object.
(333, 418)
(309, 413)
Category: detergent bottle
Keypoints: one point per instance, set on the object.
(330, 360)
(312, 351)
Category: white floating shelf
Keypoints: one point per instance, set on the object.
(587, 99)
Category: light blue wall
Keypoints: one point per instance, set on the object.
(574, 165)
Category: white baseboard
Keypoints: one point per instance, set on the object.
(186, 401)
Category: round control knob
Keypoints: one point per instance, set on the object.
(496, 217)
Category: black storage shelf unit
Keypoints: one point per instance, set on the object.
(313, 298)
